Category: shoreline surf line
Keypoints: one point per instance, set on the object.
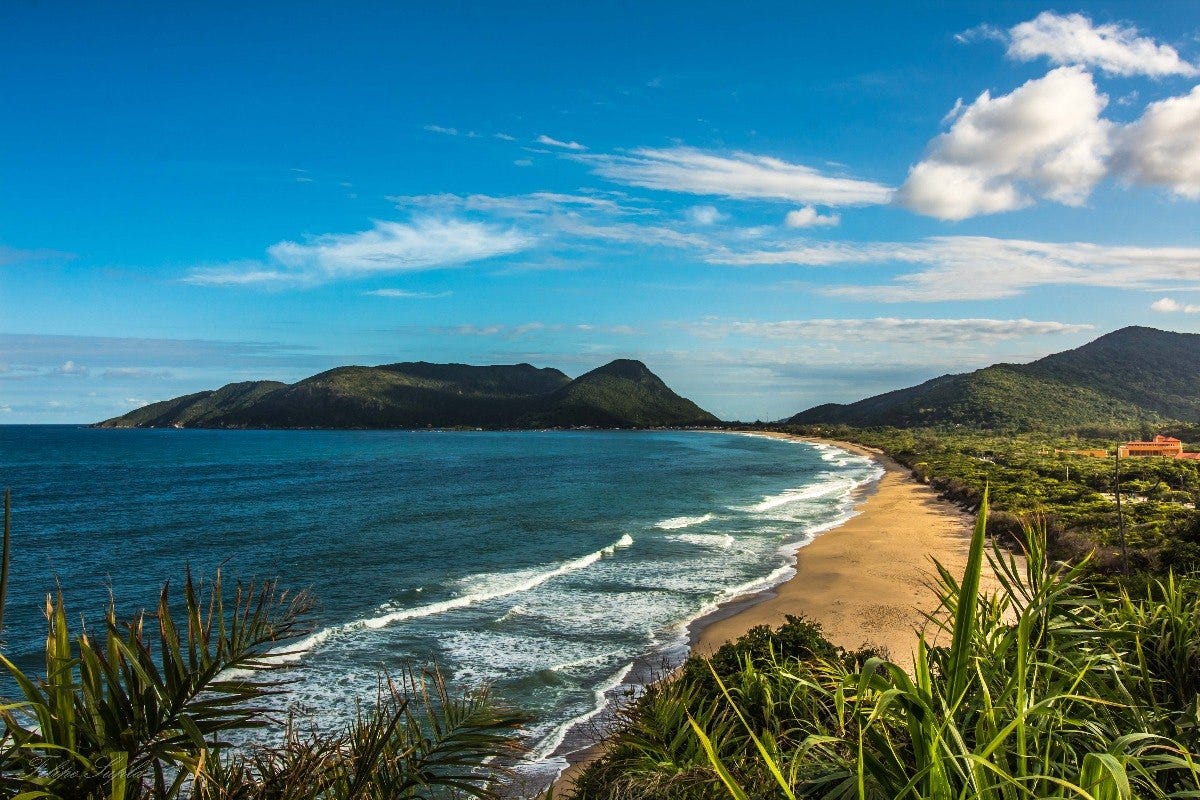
(675, 648)
(864, 578)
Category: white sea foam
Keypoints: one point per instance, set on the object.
(492, 587)
(546, 747)
(675, 523)
(832, 485)
(719, 540)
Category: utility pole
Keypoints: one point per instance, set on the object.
(1120, 518)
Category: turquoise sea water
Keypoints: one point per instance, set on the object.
(544, 563)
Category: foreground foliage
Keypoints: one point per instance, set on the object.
(147, 708)
(1052, 687)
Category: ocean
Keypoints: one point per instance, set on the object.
(546, 564)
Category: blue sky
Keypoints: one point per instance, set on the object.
(773, 205)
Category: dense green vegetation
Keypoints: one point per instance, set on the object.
(1129, 378)
(620, 394)
(1052, 687)
(1031, 478)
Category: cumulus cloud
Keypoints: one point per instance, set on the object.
(809, 217)
(984, 267)
(552, 142)
(72, 369)
(424, 243)
(1046, 139)
(887, 330)
(1168, 305)
(742, 176)
(1163, 147)
(1113, 48)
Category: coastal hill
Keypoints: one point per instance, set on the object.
(621, 394)
(1133, 375)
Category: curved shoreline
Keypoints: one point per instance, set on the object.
(866, 580)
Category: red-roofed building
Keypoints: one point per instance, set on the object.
(1165, 446)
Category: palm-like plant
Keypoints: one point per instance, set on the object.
(1053, 704)
(143, 709)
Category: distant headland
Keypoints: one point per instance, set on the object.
(621, 394)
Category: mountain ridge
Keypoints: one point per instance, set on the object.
(1134, 375)
(419, 394)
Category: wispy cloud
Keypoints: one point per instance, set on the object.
(527, 328)
(405, 294)
(442, 130)
(138, 373)
(424, 243)
(1113, 48)
(738, 175)
(552, 142)
(893, 330)
(984, 268)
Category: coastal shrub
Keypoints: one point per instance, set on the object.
(654, 753)
(147, 708)
(1050, 687)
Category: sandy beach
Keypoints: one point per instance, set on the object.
(866, 581)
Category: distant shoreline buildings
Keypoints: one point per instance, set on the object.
(1159, 446)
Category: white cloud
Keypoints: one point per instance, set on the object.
(71, 368)
(403, 293)
(546, 140)
(1168, 305)
(424, 243)
(985, 268)
(887, 330)
(706, 215)
(1163, 147)
(742, 176)
(442, 130)
(516, 206)
(1112, 48)
(504, 137)
(809, 217)
(1044, 140)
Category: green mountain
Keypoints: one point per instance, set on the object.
(1133, 375)
(623, 394)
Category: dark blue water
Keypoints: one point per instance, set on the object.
(544, 563)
